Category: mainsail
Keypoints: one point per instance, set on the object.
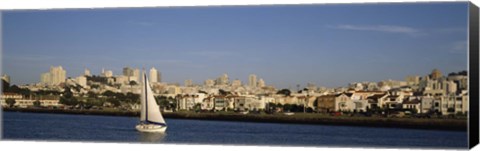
(150, 112)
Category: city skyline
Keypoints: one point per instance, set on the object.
(329, 45)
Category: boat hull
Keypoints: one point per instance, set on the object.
(151, 128)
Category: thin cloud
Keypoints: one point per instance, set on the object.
(382, 28)
(459, 47)
(28, 58)
(452, 30)
(141, 23)
(211, 54)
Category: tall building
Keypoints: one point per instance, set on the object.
(45, 78)
(56, 76)
(121, 79)
(154, 75)
(252, 80)
(261, 83)
(188, 83)
(412, 80)
(131, 74)
(107, 73)
(222, 80)
(136, 75)
(86, 72)
(436, 74)
(236, 83)
(209, 82)
(127, 71)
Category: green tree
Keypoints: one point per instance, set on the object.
(69, 101)
(94, 102)
(223, 92)
(37, 103)
(285, 92)
(95, 86)
(165, 104)
(11, 102)
(114, 102)
(197, 107)
(18, 90)
(287, 107)
(67, 98)
(91, 94)
(5, 85)
(131, 97)
(109, 93)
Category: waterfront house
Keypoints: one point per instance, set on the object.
(462, 103)
(343, 102)
(376, 100)
(220, 102)
(307, 101)
(413, 104)
(437, 105)
(248, 102)
(452, 104)
(26, 103)
(208, 103)
(363, 95)
(188, 101)
(426, 105)
(8, 95)
(359, 105)
(333, 102)
(393, 102)
(326, 103)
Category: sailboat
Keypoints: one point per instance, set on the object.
(151, 119)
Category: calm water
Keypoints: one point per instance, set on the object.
(62, 127)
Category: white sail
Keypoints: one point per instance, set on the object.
(150, 108)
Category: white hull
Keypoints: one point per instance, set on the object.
(151, 128)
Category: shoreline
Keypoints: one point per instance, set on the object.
(312, 119)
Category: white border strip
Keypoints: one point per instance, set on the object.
(63, 4)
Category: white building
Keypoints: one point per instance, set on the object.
(154, 75)
(427, 104)
(222, 80)
(249, 103)
(188, 101)
(252, 80)
(236, 83)
(56, 76)
(261, 83)
(121, 79)
(414, 104)
(136, 76)
(82, 81)
(29, 103)
(131, 74)
(188, 83)
(24, 103)
(108, 73)
(86, 72)
(209, 83)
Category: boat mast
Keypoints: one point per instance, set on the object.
(146, 95)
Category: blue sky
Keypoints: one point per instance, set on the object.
(329, 45)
